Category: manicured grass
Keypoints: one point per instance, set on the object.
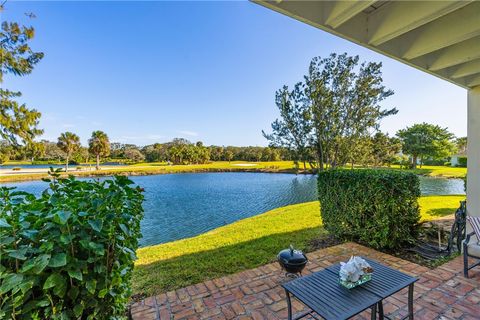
(162, 168)
(245, 244)
(435, 207)
(441, 171)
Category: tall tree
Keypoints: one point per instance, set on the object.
(68, 142)
(34, 150)
(345, 99)
(99, 145)
(294, 129)
(133, 154)
(384, 148)
(52, 151)
(5, 151)
(17, 122)
(461, 144)
(332, 111)
(424, 140)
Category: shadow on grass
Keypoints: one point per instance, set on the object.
(441, 212)
(165, 275)
(420, 171)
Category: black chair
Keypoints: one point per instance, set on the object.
(471, 248)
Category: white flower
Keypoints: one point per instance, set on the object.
(352, 271)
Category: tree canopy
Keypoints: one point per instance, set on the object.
(332, 111)
(99, 145)
(68, 142)
(17, 121)
(424, 140)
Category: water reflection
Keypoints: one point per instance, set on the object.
(184, 205)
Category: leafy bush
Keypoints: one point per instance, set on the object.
(376, 207)
(462, 162)
(69, 253)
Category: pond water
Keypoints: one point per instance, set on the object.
(184, 205)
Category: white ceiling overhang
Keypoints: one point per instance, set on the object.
(438, 37)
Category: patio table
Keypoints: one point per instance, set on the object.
(325, 296)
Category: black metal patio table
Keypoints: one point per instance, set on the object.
(322, 293)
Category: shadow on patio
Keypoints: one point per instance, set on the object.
(441, 293)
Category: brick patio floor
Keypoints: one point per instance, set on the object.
(442, 293)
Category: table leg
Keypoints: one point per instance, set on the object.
(410, 301)
(289, 305)
(374, 312)
(380, 310)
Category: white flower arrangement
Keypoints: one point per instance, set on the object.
(354, 272)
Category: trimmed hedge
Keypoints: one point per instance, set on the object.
(69, 253)
(375, 207)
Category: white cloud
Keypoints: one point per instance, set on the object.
(138, 139)
(68, 125)
(188, 133)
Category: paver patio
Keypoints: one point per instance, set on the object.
(442, 293)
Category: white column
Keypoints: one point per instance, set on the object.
(473, 152)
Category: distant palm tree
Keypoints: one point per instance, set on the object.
(68, 142)
(99, 145)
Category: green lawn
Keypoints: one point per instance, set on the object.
(162, 168)
(245, 244)
(441, 171)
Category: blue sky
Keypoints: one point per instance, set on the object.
(147, 72)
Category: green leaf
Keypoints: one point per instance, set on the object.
(43, 303)
(55, 279)
(124, 229)
(73, 293)
(75, 274)
(97, 247)
(6, 240)
(62, 217)
(58, 260)
(4, 223)
(18, 254)
(78, 310)
(61, 288)
(91, 285)
(10, 281)
(96, 224)
(103, 293)
(40, 263)
(26, 285)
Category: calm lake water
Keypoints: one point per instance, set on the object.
(183, 205)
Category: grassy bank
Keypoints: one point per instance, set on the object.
(441, 171)
(245, 244)
(219, 166)
(162, 168)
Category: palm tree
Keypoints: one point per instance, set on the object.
(99, 145)
(68, 142)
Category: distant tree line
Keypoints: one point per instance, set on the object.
(181, 151)
(178, 151)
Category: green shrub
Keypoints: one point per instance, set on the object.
(69, 253)
(462, 162)
(375, 207)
